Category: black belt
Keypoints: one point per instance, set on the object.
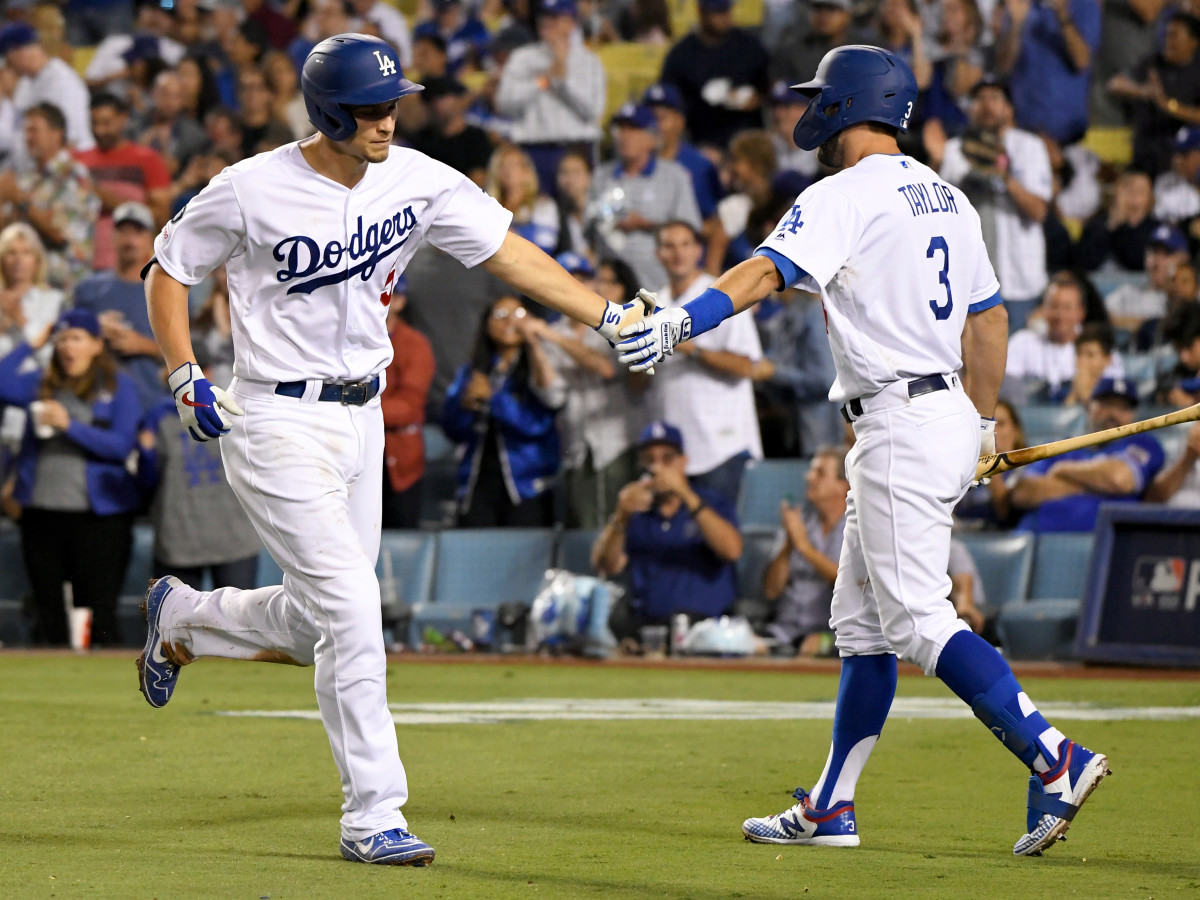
(354, 393)
(916, 388)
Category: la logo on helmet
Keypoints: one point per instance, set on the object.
(387, 65)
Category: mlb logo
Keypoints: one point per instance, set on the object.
(1157, 581)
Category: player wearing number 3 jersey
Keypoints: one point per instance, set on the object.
(313, 236)
(919, 337)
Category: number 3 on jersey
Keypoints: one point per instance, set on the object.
(941, 312)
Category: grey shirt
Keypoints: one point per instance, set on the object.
(804, 604)
(61, 480)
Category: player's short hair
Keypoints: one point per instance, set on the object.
(1097, 333)
(51, 115)
(837, 454)
(103, 99)
(756, 148)
(678, 223)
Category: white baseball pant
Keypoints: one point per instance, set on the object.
(309, 476)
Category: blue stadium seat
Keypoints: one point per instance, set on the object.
(131, 625)
(1060, 565)
(1005, 562)
(14, 588)
(1142, 369)
(765, 483)
(405, 569)
(1044, 423)
(438, 487)
(1108, 282)
(437, 445)
(1039, 629)
(574, 550)
(482, 568)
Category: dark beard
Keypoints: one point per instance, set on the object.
(832, 154)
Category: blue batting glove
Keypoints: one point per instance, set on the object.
(201, 405)
(646, 342)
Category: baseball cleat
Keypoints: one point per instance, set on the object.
(156, 673)
(833, 827)
(389, 848)
(1055, 796)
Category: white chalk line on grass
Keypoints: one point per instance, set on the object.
(494, 712)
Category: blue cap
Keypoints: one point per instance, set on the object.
(78, 318)
(781, 92)
(663, 94)
(1187, 139)
(636, 116)
(16, 34)
(575, 263)
(1116, 387)
(716, 5)
(401, 285)
(144, 46)
(558, 8)
(661, 433)
(1169, 238)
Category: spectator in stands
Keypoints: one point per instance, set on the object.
(89, 21)
(679, 540)
(751, 165)
(448, 138)
(721, 71)
(786, 109)
(988, 506)
(667, 103)
(966, 588)
(56, 197)
(40, 79)
(574, 183)
(77, 498)
(1181, 386)
(1164, 90)
(285, 89)
(1005, 171)
(28, 305)
(641, 21)
(166, 129)
(1182, 295)
(1045, 50)
(501, 408)
(1119, 235)
(802, 45)
(554, 91)
(512, 180)
(389, 23)
(122, 171)
(709, 391)
(279, 27)
(799, 579)
(1129, 30)
(466, 38)
(199, 88)
(212, 332)
(958, 65)
(1093, 356)
(1039, 364)
(899, 30)
(637, 192)
(409, 376)
(1176, 197)
(199, 525)
(200, 170)
(1064, 493)
(325, 19)
(261, 128)
(794, 341)
(430, 58)
(109, 68)
(118, 300)
(1178, 484)
(598, 422)
(1131, 304)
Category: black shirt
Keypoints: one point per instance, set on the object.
(692, 64)
(467, 151)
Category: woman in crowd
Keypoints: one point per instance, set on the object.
(199, 87)
(289, 102)
(574, 182)
(513, 181)
(899, 30)
(27, 302)
(987, 505)
(78, 500)
(958, 67)
(501, 409)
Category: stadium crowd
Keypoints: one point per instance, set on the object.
(643, 143)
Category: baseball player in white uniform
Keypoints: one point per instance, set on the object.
(919, 336)
(314, 235)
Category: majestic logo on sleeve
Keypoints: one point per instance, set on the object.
(303, 257)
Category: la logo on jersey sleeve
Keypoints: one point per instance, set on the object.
(818, 232)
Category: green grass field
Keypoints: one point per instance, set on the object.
(101, 796)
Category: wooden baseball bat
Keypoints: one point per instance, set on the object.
(1002, 462)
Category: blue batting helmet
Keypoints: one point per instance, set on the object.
(350, 70)
(854, 84)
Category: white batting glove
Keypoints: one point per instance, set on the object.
(987, 436)
(202, 405)
(648, 341)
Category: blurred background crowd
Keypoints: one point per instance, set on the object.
(644, 143)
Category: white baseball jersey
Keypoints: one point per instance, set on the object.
(311, 263)
(898, 258)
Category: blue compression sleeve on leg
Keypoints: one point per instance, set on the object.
(709, 310)
(972, 668)
(865, 692)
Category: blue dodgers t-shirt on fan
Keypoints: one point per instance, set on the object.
(671, 568)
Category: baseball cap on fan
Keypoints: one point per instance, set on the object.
(1169, 238)
(1122, 388)
(636, 117)
(81, 318)
(660, 433)
(716, 6)
(15, 35)
(575, 263)
(663, 94)
(1187, 139)
(558, 8)
(137, 213)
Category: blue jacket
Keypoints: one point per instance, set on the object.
(106, 443)
(525, 432)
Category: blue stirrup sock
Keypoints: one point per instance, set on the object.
(865, 692)
(709, 310)
(972, 668)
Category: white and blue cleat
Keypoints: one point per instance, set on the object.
(1055, 796)
(389, 848)
(833, 827)
(157, 674)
